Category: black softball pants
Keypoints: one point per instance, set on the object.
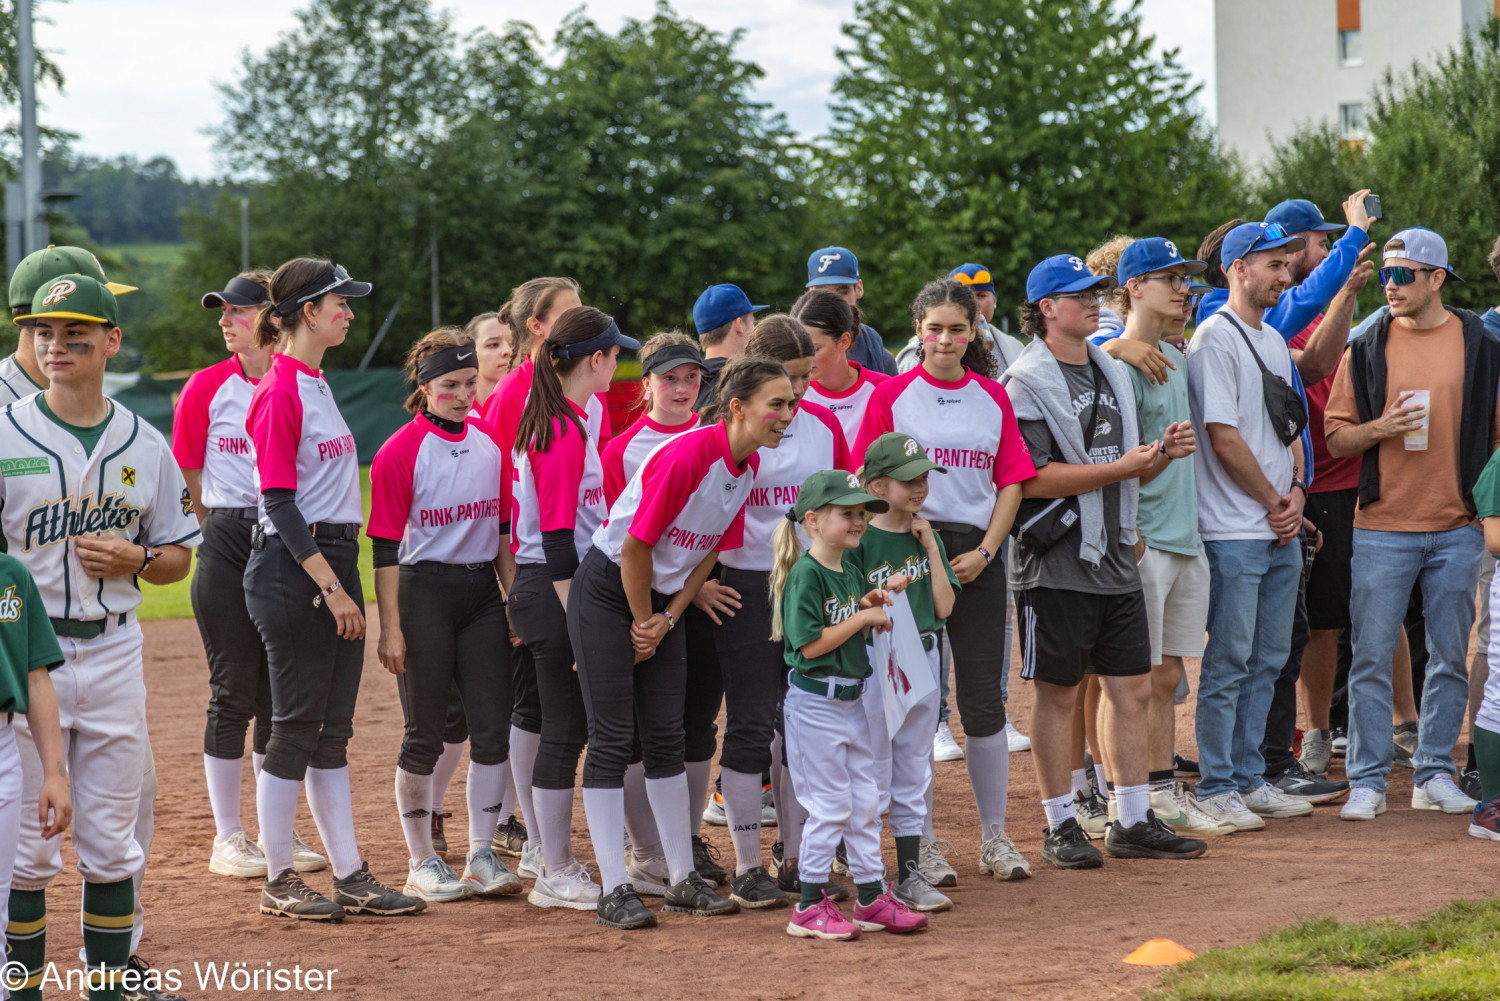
(239, 680)
(542, 624)
(753, 671)
(976, 634)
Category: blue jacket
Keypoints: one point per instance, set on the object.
(869, 351)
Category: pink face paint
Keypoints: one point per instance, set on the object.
(445, 397)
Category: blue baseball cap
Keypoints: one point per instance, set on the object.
(718, 305)
(1253, 237)
(1063, 273)
(832, 266)
(976, 276)
(1419, 244)
(1153, 254)
(1298, 215)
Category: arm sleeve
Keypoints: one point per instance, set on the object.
(559, 475)
(1039, 442)
(876, 422)
(281, 508)
(1300, 303)
(801, 610)
(561, 553)
(275, 426)
(391, 490)
(387, 552)
(190, 423)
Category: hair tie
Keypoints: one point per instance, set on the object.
(791, 515)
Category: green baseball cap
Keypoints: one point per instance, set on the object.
(75, 297)
(40, 267)
(899, 456)
(834, 486)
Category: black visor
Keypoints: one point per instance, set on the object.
(239, 292)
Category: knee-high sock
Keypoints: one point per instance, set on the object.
(776, 779)
(554, 822)
(791, 815)
(605, 809)
(640, 822)
(26, 938)
(523, 747)
(257, 762)
(670, 804)
(507, 795)
(1485, 744)
(699, 774)
(413, 795)
(927, 829)
(224, 777)
(107, 910)
(483, 792)
(442, 774)
(332, 807)
(742, 809)
(276, 809)
(988, 759)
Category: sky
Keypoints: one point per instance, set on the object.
(143, 84)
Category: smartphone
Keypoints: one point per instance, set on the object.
(1372, 206)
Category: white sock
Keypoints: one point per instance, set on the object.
(224, 778)
(605, 810)
(257, 762)
(790, 818)
(672, 807)
(640, 822)
(482, 792)
(1132, 803)
(332, 808)
(523, 747)
(443, 772)
(1059, 810)
(927, 831)
(988, 760)
(554, 819)
(742, 809)
(507, 794)
(699, 774)
(413, 795)
(1099, 777)
(275, 810)
(1081, 780)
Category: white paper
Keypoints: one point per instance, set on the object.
(901, 667)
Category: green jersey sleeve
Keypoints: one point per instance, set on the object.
(1487, 489)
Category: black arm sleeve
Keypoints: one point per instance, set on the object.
(562, 555)
(281, 508)
(387, 552)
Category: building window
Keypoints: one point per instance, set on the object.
(1352, 122)
(1350, 52)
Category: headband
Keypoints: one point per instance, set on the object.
(582, 349)
(447, 360)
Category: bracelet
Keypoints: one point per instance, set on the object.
(1300, 485)
(988, 559)
(150, 556)
(335, 586)
(671, 622)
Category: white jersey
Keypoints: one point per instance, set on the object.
(628, 449)
(848, 406)
(15, 384)
(208, 433)
(52, 490)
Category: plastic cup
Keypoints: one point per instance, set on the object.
(1416, 438)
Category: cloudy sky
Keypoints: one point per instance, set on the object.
(142, 84)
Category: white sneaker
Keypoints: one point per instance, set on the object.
(767, 808)
(714, 813)
(1363, 804)
(934, 865)
(999, 857)
(434, 881)
(1269, 801)
(531, 864)
(485, 874)
(1178, 810)
(648, 875)
(573, 888)
(1091, 812)
(1441, 793)
(1017, 740)
(1229, 808)
(236, 856)
(944, 747)
(304, 859)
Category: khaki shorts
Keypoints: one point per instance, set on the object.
(1176, 592)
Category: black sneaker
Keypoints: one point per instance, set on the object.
(695, 895)
(1184, 768)
(287, 896)
(622, 908)
(757, 891)
(147, 983)
(361, 893)
(1150, 839)
(788, 880)
(510, 838)
(778, 851)
(439, 840)
(1067, 847)
(1468, 781)
(706, 862)
(1299, 783)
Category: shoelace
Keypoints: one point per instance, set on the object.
(914, 875)
(941, 846)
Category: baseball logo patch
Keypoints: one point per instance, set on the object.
(186, 500)
(1171, 248)
(1077, 263)
(127, 476)
(853, 481)
(826, 260)
(10, 605)
(60, 290)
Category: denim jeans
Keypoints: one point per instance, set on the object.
(1386, 565)
(1253, 593)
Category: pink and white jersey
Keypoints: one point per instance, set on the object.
(208, 433)
(505, 405)
(299, 441)
(443, 495)
(561, 488)
(627, 450)
(687, 500)
(967, 426)
(848, 407)
(813, 441)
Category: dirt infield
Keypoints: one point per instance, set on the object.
(1058, 935)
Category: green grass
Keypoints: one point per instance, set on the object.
(173, 601)
(150, 253)
(1453, 955)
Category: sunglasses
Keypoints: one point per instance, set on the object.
(340, 276)
(1401, 276)
(980, 277)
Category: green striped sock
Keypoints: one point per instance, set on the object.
(108, 912)
(26, 940)
(869, 891)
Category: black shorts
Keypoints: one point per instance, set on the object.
(1067, 634)
(1329, 586)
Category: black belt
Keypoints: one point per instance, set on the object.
(334, 530)
(850, 691)
(438, 567)
(78, 629)
(954, 526)
(237, 513)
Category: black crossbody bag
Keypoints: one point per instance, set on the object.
(1283, 405)
(1043, 522)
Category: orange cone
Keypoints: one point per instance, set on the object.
(1159, 952)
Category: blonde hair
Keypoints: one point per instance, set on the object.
(440, 339)
(530, 300)
(653, 344)
(1105, 260)
(786, 550)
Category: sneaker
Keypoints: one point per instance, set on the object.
(1317, 751)
(1184, 768)
(1469, 782)
(886, 913)
(510, 838)
(1017, 740)
(532, 864)
(1186, 816)
(287, 896)
(648, 873)
(1268, 801)
(439, 840)
(1338, 741)
(1068, 847)
(1229, 808)
(934, 865)
(1150, 838)
(304, 859)
(1441, 793)
(236, 856)
(695, 895)
(1404, 737)
(434, 881)
(767, 807)
(486, 875)
(944, 747)
(1485, 823)
(776, 854)
(361, 893)
(1363, 804)
(1299, 783)
(623, 909)
(917, 892)
(998, 857)
(1091, 811)
(821, 920)
(572, 887)
(706, 862)
(714, 813)
(841, 860)
(789, 880)
(142, 992)
(757, 891)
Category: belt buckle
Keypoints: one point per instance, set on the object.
(848, 693)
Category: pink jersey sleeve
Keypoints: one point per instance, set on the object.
(391, 485)
(734, 535)
(606, 433)
(275, 426)
(877, 421)
(190, 421)
(613, 460)
(559, 475)
(667, 481)
(1012, 461)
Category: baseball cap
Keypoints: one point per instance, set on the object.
(1253, 237)
(41, 266)
(834, 486)
(1153, 254)
(976, 276)
(1419, 244)
(1062, 273)
(239, 292)
(899, 456)
(670, 357)
(832, 266)
(1298, 215)
(718, 305)
(75, 297)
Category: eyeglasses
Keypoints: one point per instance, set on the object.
(980, 277)
(1085, 298)
(1174, 282)
(340, 276)
(1401, 276)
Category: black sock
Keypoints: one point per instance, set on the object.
(907, 851)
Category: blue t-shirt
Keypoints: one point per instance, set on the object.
(1492, 320)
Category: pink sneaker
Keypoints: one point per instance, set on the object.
(888, 914)
(821, 920)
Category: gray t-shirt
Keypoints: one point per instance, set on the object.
(1060, 567)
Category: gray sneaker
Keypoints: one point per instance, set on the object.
(917, 893)
(934, 865)
(361, 893)
(998, 857)
(485, 874)
(1317, 751)
(1299, 783)
(434, 881)
(649, 875)
(1091, 812)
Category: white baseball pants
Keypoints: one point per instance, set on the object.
(833, 769)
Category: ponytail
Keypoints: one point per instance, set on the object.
(441, 339)
(548, 403)
(531, 300)
(786, 550)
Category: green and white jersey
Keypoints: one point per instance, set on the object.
(26, 638)
(883, 555)
(815, 598)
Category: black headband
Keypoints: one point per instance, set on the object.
(667, 358)
(447, 360)
(582, 349)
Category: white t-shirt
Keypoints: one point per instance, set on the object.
(1224, 387)
(15, 384)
